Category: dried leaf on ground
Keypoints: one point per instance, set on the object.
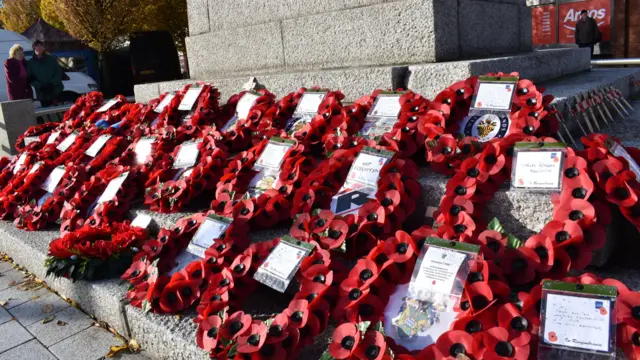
(12, 283)
(3, 302)
(61, 323)
(116, 349)
(47, 309)
(134, 346)
(48, 319)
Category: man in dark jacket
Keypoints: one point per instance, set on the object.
(587, 32)
(45, 75)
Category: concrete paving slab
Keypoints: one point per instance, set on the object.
(90, 344)
(4, 316)
(11, 278)
(31, 350)
(5, 266)
(13, 334)
(16, 295)
(67, 323)
(35, 310)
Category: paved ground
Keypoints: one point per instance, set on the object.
(36, 324)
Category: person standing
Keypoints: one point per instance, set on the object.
(15, 73)
(587, 32)
(45, 75)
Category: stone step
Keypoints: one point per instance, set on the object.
(426, 79)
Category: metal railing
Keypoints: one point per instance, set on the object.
(55, 113)
(615, 62)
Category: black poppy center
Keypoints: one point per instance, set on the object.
(254, 340)
(571, 172)
(381, 259)
(532, 101)
(528, 129)
(306, 197)
(523, 91)
(460, 190)
(366, 274)
(172, 298)
(239, 268)
(460, 228)
(234, 327)
(275, 330)
(320, 223)
(562, 236)
(455, 210)
(402, 248)
(334, 234)
(212, 333)
(372, 217)
(347, 342)
(244, 211)
(494, 246)
(372, 351)
(621, 193)
(579, 193)
(479, 302)
(216, 298)
(576, 215)
(519, 264)
(504, 349)
(319, 278)
(465, 305)
(473, 172)
(354, 294)
(447, 150)
(636, 339)
(473, 326)
(297, 316)
(635, 312)
(542, 252)
(457, 349)
(365, 309)
(386, 202)
(186, 292)
(224, 282)
(519, 323)
(475, 277)
(490, 159)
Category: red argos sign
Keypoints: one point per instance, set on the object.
(569, 14)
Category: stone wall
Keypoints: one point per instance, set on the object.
(233, 38)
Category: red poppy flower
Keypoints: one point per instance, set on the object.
(519, 265)
(372, 213)
(345, 341)
(491, 160)
(477, 323)
(336, 233)
(605, 169)
(499, 346)
(451, 207)
(619, 191)
(179, 295)
(208, 331)
(492, 244)
(298, 313)
(518, 326)
(460, 186)
(531, 303)
(236, 325)
(629, 338)
(372, 346)
(543, 246)
(365, 272)
(367, 308)
(457, 342)
(431, 352)
(439, 150)
(300, 228)
(252, 340)
(563, 233)
(580, 211)
(629, 309)
(400, 248)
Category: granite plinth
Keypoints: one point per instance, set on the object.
(15, 118)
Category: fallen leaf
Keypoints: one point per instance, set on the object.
(116, 349)
(47, 309)
(61, 323)
(35, 297)
(134, 346)
(12, 283)
(48, 319)
(3, 302)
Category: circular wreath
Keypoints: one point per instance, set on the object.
(22, 187)
(42, 132)
(95, 252)
(33, 216)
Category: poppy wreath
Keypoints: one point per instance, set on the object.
(136, 122)
(151, 286)
(614, 180)
(227, 332)
(356, 234)
(405, 138)
(161, 148)
(80, 111)
(276, 116)
(206, 110)
(207, 113)
(41, 131)
(73, 154)
(166, 194)
(22, 187)
(113, 148)
(111, 116)
(95, 252)
(32, 217)
(77, 208)
(270, 208)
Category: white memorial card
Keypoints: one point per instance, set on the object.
(382, 116)
(280, 266)
(52, 137)
(494, 96)
(190, 98)
(366, 170)
(539, 169)
(164, 103)
(113, 187)
(143, 149)
(53, 179)
(577, 322)
(97, 145)
(438, 270)
(35, 167)
(310, 102)
(187, 155)
(66, 143)
(386, 105)
(109, 104)
(245, 104)
(210, 229)
(142, 221)
(31, 139)
(19, 163)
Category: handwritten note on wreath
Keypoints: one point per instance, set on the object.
(577, 322)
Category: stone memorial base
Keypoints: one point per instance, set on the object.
(15, 118)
